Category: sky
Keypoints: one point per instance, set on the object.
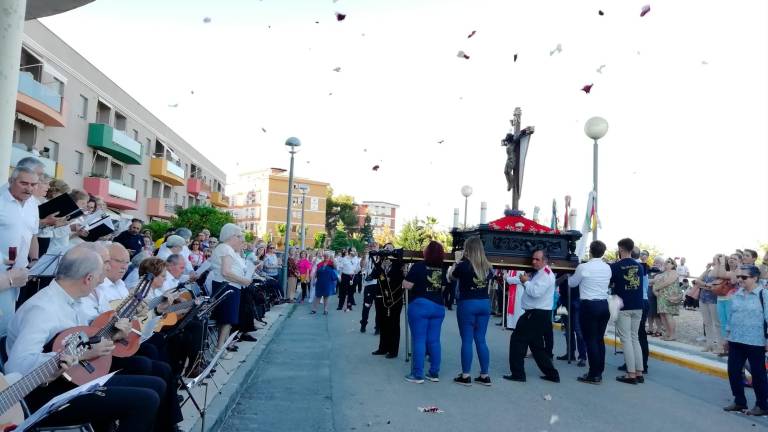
(684, 165)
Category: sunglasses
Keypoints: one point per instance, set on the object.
(742, 277)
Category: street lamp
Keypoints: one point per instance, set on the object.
(595, 128)
(292, 143)
(304, 189)
(466, 190)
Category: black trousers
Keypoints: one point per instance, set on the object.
(369, 299)
(247, 311)
(304, 290)
(594, 319)
(184, 347)
(642, 336)
(131, 400)
(357, 282)
(449, 295)
(549, 339)
(530, 332)
(738, 355)
(169, 411)
(346, 291)
(389, 336)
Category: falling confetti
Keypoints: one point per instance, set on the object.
(337, 69)
(365, 150)
(600, 69)
(644, 11)
(554, 419)
(600, 13)
(430, 410)
(173, 106)
(514, 58)
(547, 397)
(207, 20)
(375, 168)
(340, 16)
(191, 92)
(263, 130)
(704, 62)
(462, 54)
(587, 88)
(441, 141)
(472, 34)
(558, 49)
(317, 22)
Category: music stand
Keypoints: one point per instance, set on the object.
(45, 266)
(200, 380)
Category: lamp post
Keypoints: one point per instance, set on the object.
(466, 190)
(595, 128)
(304, 189)
(292, 143)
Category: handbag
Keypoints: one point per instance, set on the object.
(723, 289)
(762, 307)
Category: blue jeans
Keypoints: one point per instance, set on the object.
(473, 317)
(425, 318)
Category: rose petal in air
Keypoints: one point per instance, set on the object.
(462, 54)
(587, 88)
(472, 34)
(514, 58)
(207, 20)
(375, 168)
(644, 11)
(340, 16)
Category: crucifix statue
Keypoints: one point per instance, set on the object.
(516, 143)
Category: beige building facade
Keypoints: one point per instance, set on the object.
(93, 135)
(259, 201)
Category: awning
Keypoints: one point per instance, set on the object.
(30, 120)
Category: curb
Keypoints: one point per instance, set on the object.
(220, 407)
(666, 355)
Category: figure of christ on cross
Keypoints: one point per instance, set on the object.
(516, 143)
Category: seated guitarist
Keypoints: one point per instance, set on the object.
(131, 400)
(148, 361)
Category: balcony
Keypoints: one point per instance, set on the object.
(218, 199)
(39, 102)
(161, 208)
(167, 171)
(194, 186)
(115, 194)
(114, 143)
(52, 169)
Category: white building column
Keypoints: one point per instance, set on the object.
(11, 30)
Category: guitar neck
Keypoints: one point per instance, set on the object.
(21, 388)
(180, 306)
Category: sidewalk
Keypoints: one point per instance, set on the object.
(231, 376)
(681, 354)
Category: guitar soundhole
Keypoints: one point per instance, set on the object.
(123, 342)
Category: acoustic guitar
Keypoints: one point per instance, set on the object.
(104, 327)
(172, 314)
(11, 413)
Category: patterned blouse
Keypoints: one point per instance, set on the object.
(747, 317)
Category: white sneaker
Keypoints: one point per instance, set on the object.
(227, 356)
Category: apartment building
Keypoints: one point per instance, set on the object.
(259, 202)
(383, 215)
(96, 137)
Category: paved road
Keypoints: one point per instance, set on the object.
(318, 375)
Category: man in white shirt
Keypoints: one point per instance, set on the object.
(112, 287)
(19, 223)
(349, 265)
(593, 278)
(133, 400)
(538, 295)
(682, 269)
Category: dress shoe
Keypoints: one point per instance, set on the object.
(554, 379)
(581, 363)
(362, 329)
(379, 352)
(514, 378)
(757, 411)
(563, 357)
(640, 379)
(245, 337)
(391, 356)
(735, 407)
(586, 379)
(626, 380)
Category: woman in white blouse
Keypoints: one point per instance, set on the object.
(228, 274)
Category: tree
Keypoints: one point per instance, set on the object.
(384, 236)
(196, 218)
(340, 208)
(281, 232)
(249, 236)
(158, 228)
(320, 240)
(367, 231)
(412, 236)
(340, 239)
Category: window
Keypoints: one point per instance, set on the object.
(100, 166)
(51, 151)
(116, 171)
(148, 147)
(146, 184)
(103, 113)
(175, 198)
(80, 160)
(83, 108)
(121, 122)
(131, 180)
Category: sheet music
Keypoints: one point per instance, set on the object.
(213, 362)
(60, 401)
(45, 266)
(149, 328)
